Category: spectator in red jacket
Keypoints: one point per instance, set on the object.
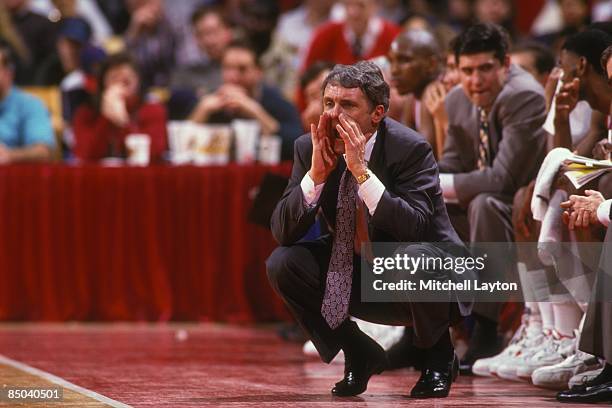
(118, 110)
(362, 35)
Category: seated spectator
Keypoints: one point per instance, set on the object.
(151, 40)
(39, 35)
(311, 83)
(498, 12)
(416, 62)
(212, 33)
(290, 40)
(9, 33)
(118, 110)
(362, 35)
(64, 67)
(584, 79)
(26, 134)
(244, 95)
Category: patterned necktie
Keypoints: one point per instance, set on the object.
(340, 273)
(483, 145)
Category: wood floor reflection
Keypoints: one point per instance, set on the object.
(192, 365)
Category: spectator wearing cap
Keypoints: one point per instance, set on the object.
(73, 33)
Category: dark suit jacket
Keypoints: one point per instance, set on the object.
(410, 210)
(518, 142)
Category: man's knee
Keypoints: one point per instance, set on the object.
(279, 267)
(481, 204)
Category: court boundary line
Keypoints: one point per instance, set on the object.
(62, 382)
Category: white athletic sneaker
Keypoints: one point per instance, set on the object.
(507, 369)
(526, 333)
(557, 349)
(584, 377)
(557, 376)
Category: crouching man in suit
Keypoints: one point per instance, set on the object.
(374, 180)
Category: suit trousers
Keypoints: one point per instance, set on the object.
(298, 274)
(596, 335)
(488, 219)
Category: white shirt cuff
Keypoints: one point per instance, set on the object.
(603, 212)
(447, 184)
(370, 192)
(311, 192)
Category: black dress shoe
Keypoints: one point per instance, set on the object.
(436, 384)
(357, 373)
(596, 393)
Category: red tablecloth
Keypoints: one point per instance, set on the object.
(156, 243)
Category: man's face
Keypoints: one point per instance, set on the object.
(239, 68)
(410, 71)
(211, 35)
(69, 54)
(568, 61)
(482, 77)
(353, 103)
(358, 13)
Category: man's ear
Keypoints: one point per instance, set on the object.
(378, 114)
(581, 67)
(506, 63)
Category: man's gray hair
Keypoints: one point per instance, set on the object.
(364, 75)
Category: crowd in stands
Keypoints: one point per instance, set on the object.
(497, 87)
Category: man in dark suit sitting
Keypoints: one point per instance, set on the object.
(374, 180)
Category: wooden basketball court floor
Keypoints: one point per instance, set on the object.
(193, 365)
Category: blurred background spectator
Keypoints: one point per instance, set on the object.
(118, 109)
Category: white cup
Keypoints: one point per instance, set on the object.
(247, 133)
(138, 147)
(182, 142)
(270, 149)
(213, 144)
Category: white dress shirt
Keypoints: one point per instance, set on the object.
(447, 184)
(603, 212)
(370, 191)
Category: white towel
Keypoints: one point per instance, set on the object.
(546, 176)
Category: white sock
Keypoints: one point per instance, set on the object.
(567, 317)
(548, 320)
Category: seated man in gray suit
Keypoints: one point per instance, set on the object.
(374, 180)
(494, 145)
